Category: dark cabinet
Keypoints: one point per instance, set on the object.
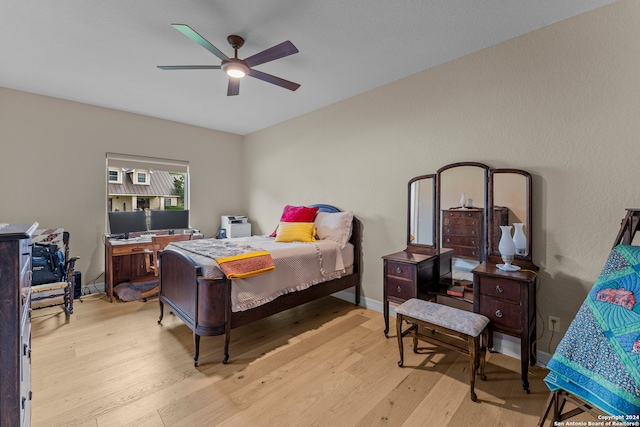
(508, 300)
(409, 275)
(15, 324)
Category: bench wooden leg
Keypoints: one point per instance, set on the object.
(399, 334)
(483, 353)
(473, 360)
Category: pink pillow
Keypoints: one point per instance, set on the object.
(297, 214)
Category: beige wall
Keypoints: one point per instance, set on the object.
(562, 103)
(53, 167)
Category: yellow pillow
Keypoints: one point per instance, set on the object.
(296, 232)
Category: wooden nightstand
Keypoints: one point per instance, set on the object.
(508, 300)
(410, 274)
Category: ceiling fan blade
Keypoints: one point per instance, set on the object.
(279, 51)
(189, 67)
(193, 35)
(273, 79)
(234, 86)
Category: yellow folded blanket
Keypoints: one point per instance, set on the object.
(246, 264)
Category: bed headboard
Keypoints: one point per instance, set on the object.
(325, 208)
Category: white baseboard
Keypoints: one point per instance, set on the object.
(504, 344)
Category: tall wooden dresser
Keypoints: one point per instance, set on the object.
(15, 324)
(462, 231)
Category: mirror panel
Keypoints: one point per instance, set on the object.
(511, 201)
(463, 197)
(470, 181)
(422, 193)
(462, 206)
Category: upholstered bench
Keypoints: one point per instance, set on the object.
(448, 321)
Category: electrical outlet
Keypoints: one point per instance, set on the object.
(554, 324)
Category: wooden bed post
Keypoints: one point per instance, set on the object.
(196, 320)
(227, 320)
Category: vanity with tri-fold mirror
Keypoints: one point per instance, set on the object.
(453, 232)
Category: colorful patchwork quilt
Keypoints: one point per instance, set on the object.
(598, 359)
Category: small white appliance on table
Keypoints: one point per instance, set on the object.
(235, 225)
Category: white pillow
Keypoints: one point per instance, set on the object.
(334, 226)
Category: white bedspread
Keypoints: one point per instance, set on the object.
(297, 266)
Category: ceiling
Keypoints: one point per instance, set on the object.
(105, 53)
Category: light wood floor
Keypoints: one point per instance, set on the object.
(323, 364)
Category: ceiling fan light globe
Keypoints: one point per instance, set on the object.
(235, 69)
(236, 73)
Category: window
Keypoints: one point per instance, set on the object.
(141, 178)
(146, 183)
(114, 175)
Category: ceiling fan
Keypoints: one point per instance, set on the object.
(234, 67)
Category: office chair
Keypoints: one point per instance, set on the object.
(152, 261)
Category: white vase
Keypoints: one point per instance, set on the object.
(519, 239)
(507, 249)
(463, 201)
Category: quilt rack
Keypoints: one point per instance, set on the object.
(556, 401)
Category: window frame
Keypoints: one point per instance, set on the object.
(119, 162)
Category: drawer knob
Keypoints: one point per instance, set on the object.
(399, 289)
(498, 313)
(499, 289)
(398, 270)
(448, 240)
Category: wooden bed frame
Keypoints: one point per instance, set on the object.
(204, 305)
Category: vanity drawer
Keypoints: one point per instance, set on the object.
(503, 289)
(401, 270)
(502, 314)
(400, 289)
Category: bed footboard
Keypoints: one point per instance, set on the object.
(199, 302)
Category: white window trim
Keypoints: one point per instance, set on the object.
(136, 176)
(118, 172)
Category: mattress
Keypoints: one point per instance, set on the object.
(298, 266)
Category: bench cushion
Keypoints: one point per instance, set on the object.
(441, 315)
